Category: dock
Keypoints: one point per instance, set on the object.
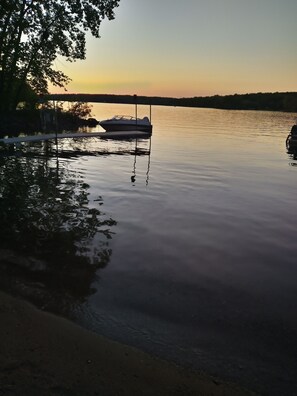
(74, 135)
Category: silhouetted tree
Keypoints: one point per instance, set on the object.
(33, 33)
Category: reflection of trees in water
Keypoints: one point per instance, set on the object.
(50, 233)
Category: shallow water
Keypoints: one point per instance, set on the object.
(191, 249)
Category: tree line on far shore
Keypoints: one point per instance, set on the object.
(277, 101)
(34, 33)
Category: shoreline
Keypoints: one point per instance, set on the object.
(48, 355)
(36, 121)
(261, 101)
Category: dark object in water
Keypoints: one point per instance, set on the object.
(291, 141)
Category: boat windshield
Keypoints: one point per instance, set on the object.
(130, 118)
(123, 117)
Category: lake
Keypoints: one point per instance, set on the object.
(183, 245)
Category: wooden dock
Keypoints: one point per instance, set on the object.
(52, 136)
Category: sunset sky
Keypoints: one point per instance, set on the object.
(191, 48)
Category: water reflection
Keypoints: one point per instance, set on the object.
(292, 151)
(53, 239)
(138, 152)
(293, 157)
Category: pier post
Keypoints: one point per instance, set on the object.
(135, 97)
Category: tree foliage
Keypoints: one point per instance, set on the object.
(80, 109)
(33, 33)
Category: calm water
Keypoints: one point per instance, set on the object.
(184, 246)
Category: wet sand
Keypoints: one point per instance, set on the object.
(42, 354)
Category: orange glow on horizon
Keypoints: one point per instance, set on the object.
(204, 49)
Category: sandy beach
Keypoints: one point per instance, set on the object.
(42, 354)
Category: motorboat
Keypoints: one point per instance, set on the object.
(291, 141)
(126, 123)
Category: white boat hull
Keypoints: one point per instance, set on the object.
(123, 124)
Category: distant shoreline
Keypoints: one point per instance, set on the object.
(277, 101)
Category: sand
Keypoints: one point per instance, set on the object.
(43, 354)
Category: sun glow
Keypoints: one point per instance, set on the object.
(199, 50)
